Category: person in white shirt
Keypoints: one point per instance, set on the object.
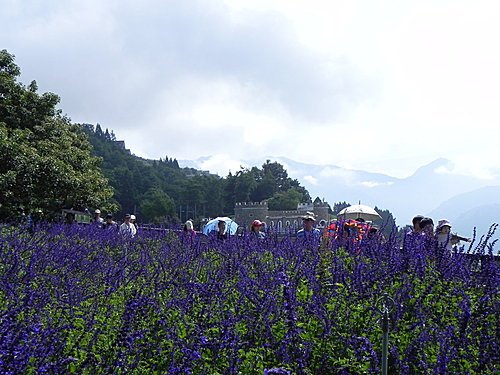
(446, 239)
(127, 228)
(98, 220)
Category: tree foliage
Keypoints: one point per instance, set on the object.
(46, 163)
(339, 206)
(271, 183)
(287, 200)
(157, 205)
(387, 223)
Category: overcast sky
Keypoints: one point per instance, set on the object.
(383, 86)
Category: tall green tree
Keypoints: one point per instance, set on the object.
(46, 163)
(287, 200)
(156, 206)
(387, 221)
(266, 188)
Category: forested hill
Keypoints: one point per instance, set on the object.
(159, 190)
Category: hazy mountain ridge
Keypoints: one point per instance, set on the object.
(433, 190)
(479, 208)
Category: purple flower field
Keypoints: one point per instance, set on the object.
(75, 299)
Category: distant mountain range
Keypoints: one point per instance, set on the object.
(478, 208)
(433, 190)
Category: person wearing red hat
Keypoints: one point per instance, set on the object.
(255, 229)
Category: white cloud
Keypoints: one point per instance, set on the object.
(371, 184)
(311, 180)
(363, 85)
(347, 176)
(466, 169)
(221, 164)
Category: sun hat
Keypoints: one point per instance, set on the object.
(309, 216)
(257, 223)
(443, 223)
(97, 211)
(132, 217)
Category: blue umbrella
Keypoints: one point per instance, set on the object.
(211, 226)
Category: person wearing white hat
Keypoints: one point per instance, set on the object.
(308, 231)
(188, 228)
(98, 220)
(446, 239)
(133, 220)
(127, 228)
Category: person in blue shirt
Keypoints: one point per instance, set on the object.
(309, 231)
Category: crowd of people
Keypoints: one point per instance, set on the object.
(128, 226)
(422, 229)
(309, 231)
(355, 230)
